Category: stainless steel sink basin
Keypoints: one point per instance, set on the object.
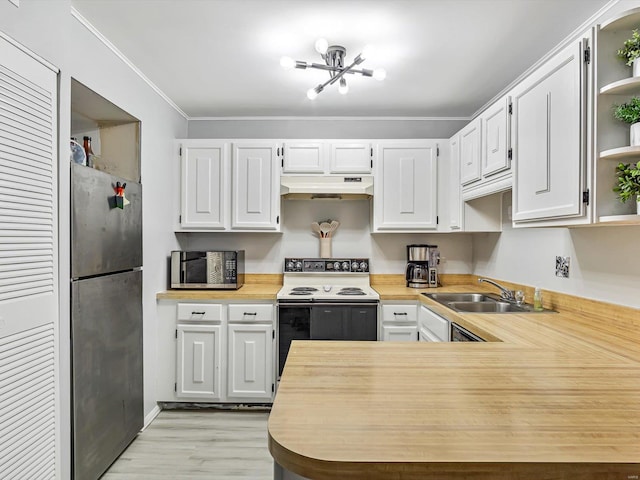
(459, 297)
(479, 303)
(491, 306)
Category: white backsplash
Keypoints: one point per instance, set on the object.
(265, 251)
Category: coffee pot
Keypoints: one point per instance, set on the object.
(421, 270)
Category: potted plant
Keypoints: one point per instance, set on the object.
(628, 185)
(630, 52)
(629, 112)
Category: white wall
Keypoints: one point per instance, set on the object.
(605, 264)
(47, 28)
(387, 253)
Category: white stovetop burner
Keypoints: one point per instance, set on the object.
(322, 282)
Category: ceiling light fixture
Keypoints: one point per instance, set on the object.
(333, 57)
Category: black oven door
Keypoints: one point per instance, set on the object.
(344, 322)
(294, 323)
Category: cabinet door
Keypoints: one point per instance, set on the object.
(303, 157)
(351, 157)
(405, 187)
(400, 333)
(250, 370)
(455, 196)
(495, 137)
(470, 151)
(198, 362)
(547, 141)
(204, 185)
(256, 196)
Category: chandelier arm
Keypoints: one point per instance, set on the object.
(338, 76)
(364, 72)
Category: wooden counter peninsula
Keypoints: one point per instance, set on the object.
(554, 396)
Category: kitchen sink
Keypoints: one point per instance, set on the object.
(490, 306)
(480, 303)
(459, 297)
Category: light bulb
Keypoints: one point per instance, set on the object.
(287, 63)
(343, 88)
(312, 94)
(367, 52)
(380, 74)
(321, 46)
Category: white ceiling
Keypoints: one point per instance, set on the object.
(444, 58)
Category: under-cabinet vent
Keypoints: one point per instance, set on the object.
(27, 404)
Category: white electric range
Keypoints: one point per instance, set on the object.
(326, 280)
(325, 299)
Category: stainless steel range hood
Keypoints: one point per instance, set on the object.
(355, 187)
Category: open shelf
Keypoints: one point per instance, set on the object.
(621, 153)
(620, 219)
(626, 86)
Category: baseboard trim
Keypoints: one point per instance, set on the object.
(150, 417)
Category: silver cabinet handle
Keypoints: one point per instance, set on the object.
(250, 313)
(198, 313)
(400, 313)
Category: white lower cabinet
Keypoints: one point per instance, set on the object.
(216, 352)
(432, 327)
(199, 359)
(399, 322)
(250, 353)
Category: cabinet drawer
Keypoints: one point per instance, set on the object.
(254, 313)
(399, 313)
(200, 312)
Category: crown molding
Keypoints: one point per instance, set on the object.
(331, 119)
(32, 54)
(91, 28)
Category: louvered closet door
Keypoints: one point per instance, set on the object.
(28, 265)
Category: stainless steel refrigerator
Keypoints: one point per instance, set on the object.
(106, 319)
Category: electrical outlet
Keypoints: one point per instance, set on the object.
(562, 267)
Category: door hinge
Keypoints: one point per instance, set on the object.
(179, 218)
(371, 152)
(180, 151)
(282, 162)
(372, 163)
(587, 55)
(273, 334)
(273, 387)
(510, 108)
(176, 333)
(510, 154)
(278, 151)
(437, 220)
(585, 196)
(278, 220)
(175, 387)
(437, 151)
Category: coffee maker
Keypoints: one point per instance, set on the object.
(422, 266)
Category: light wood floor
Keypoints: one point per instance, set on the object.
(197, 444)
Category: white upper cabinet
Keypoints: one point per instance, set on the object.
(454, 195)
(495, 138)
(350, 157)
(547, 138)
(470, 152)
(338, 157)
(255, 186)
(204, 185)
(405, 187)
(305, 156)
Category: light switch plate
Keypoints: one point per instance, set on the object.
(562, 266)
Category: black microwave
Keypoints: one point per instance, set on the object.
(207, 269)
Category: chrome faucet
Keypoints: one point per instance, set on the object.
(505, 294)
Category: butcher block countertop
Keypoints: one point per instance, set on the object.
(548, 396)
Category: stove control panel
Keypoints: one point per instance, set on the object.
(324, 265)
